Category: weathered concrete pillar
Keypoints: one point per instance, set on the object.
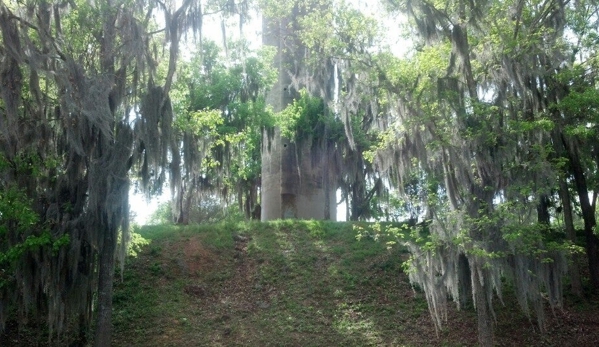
(294, 183)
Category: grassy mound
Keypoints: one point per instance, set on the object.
(295, 283)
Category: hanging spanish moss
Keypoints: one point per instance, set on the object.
(69, 140)
(487, 180)
(218, 131)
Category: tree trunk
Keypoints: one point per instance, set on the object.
(485, 324)
(325, 175)
(244, 204)
(103, 333)
(564, 195)
(588, 214)
(464, 281)
(543, 211)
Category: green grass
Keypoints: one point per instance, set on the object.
(286, 283)
(294, 283)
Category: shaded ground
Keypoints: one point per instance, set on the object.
(295, 284)
(302, 284)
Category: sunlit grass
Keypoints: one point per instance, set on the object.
(289, 283)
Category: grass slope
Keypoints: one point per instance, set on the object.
(295, 283)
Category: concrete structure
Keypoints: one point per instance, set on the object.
(297, 180)
(294, 181)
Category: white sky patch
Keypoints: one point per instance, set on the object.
(341, 208)
(142, 208)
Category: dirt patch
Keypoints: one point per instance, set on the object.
(197, 257)
(190, 257)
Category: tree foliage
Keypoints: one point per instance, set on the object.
(481, 110)
(220, 124)
(83, 105)
(484, 133)
(484, 129)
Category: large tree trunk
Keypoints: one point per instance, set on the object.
(588, 213)
(106, 256)
(483, 310)
(564, 195)
(103, 333)
(465, 281)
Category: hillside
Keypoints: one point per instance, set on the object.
(297, 284)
